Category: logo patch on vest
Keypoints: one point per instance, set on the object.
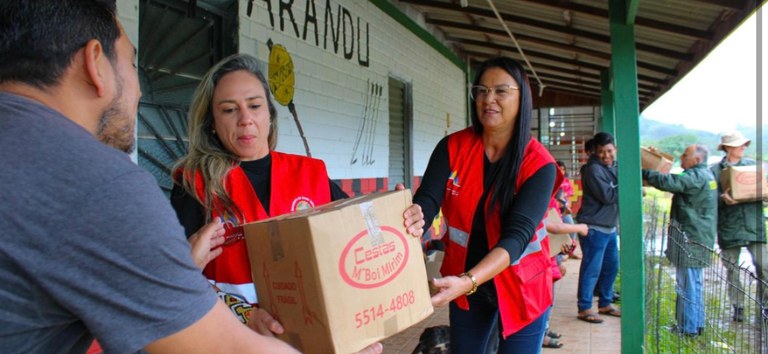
(302, 203)
(453, 186)
(366, 265)
(233, 232)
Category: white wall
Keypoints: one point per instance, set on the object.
(330, 91)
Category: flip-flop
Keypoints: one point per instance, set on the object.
(610, 312)
(552, 344)
(554, 335)
(590, 317)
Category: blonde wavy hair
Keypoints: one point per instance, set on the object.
(206, 154)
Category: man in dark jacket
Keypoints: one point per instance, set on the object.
(600, 211)
(739, 225)
(693, 218)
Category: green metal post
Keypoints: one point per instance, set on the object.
(626, 107)
(607, 117)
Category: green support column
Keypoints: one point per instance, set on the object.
(607, 118)
(626, 108)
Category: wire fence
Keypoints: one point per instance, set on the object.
(734, 319)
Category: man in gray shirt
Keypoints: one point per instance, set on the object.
(89, 246)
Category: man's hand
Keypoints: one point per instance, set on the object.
(374, 348)
(263, 323)
(206, 243)
(726, 197)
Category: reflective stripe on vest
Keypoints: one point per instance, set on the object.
(534, 245)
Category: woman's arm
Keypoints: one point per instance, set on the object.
(527, 211)
(432, 189)
(189, 211)
(518, 227)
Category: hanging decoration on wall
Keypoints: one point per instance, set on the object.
(366, 131)
(281, 83)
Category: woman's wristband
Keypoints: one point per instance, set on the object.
(474, 282)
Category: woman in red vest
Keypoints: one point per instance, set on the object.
(231, 172)
(494, 183)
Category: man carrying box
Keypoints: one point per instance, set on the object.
(739, 225)
(694, 209)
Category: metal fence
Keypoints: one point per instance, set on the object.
(726, 329)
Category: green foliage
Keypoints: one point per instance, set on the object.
(674, 145)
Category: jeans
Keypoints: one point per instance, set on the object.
(474, 330)
(689, 306)
(759, 252)
(600, 261)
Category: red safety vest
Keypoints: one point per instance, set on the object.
(524, 289)
(297, 183)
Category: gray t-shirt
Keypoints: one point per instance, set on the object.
(89, 246)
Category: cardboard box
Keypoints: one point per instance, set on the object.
(655, 160)
(341, 276)
(741, 182)
(556, 240)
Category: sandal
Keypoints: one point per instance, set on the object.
(554, 335)
(552, 344)
(590, 317)
(610, 311)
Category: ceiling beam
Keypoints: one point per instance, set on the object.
(649, 81)
(730, 4)
(603, 13)
(487, 30)
(640, 21)
(575, 62)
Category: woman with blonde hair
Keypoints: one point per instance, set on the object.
(232, 172)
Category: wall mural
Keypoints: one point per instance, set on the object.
(366, 131)
(345, 33)
(281, 82)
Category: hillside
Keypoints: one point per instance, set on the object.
(673, 138)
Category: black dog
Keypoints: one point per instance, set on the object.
(434, 340)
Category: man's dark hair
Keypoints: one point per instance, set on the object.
(39, 38)
(602, 139)
(589, 146)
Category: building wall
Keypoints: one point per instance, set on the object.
(333, 84)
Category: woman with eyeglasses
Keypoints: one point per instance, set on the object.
(500, 180)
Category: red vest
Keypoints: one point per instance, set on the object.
(524, 289)
(297, 182)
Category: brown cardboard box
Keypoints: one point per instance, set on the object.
(741, 183)
(556, 240)
(341, 276)
(655, 160)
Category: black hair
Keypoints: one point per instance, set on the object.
(504, 180)
(39, 38)
(602, 139)
(589, 146)
(561, 163)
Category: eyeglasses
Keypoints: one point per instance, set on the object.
(482, 91)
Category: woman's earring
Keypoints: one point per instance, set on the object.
(213, 131)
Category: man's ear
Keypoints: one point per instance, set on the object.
(95, 59)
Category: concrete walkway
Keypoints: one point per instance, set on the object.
(578, 337)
